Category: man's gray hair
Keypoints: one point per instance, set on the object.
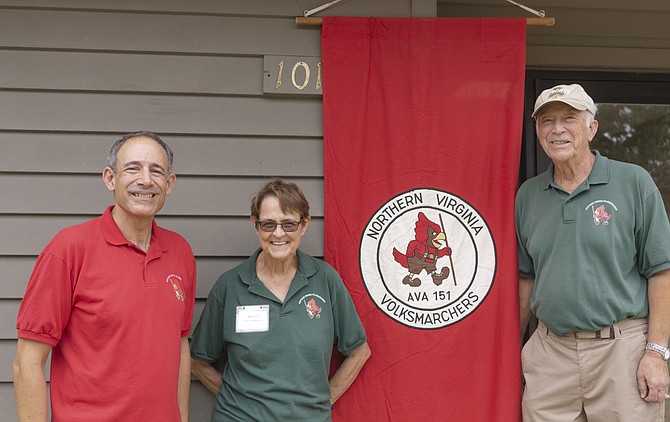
(112, 155)
(590, 117)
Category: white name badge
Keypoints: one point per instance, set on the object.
(252, 319)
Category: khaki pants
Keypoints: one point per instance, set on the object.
(586, 376)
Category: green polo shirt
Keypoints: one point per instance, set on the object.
(278, 354)
(591, 251)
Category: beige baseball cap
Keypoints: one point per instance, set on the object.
(572, 95)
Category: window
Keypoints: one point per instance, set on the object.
(640, 134)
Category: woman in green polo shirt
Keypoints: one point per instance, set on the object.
(273, 321)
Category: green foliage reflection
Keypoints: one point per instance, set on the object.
(637, 134)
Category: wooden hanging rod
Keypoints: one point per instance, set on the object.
(318, 21)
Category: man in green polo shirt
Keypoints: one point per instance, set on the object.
(594, 263)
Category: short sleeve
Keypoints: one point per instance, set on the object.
(653, 237)
(349, 331)
(526, 267)
(47, 303)
(207, 343)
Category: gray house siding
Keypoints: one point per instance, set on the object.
(75, 74)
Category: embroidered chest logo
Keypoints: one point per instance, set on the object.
(175, 281)
(602, 211)
(311, 305)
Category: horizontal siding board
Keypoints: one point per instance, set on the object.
(7, 404)
(284, 8)
(209, 270)
(550, 40)
(272, 156)
(54, 152)
(33, 111)
(549, 6)
(60, 70)
(598, 58)
(230, 197)
(15, 272)
(139, 32)
(8, 311)
(208, 236)
(7, 353)
(269, 8)
(202, 156)
(643, 25)
(52, 194)
(195, 196)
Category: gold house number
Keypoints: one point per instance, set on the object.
(301, 74)
(293, 72)
(292, 75)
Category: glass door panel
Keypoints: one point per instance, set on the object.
(640, 134)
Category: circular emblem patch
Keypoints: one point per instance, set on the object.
(427, 258)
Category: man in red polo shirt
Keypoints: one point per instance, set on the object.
(111, 300)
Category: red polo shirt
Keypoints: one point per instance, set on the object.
(115, 316)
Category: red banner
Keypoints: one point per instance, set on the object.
(422, 128)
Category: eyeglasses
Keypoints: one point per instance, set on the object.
(270, 226)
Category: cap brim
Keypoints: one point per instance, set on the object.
(577, 105)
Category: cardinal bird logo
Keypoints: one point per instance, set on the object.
(423, 252)
(311, 306)
(600, 216)
(313, 310)
(175, 280)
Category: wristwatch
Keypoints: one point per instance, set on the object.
(664, 351)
